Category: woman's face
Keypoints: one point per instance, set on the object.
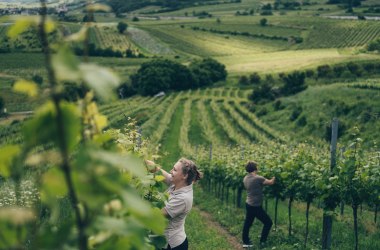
(177, 174)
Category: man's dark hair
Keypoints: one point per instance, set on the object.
(251, 166)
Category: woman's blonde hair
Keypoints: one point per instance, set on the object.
(189, 168)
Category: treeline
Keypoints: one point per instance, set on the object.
(350, 3)
(244, 33)
(163, 75)
(121, 6)
(270, 87)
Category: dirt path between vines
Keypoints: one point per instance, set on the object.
(222, 231)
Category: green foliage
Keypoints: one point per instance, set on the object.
(121, 27)
(243, 80)
(38, 79)
(254, 78)
(120, 6)
(293, 83)
(208, 71)
(161, 75)
(263, 92)
(263, 22)
(324, 71)
(1, 105)
(374, 45)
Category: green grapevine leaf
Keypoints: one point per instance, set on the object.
(102, 80)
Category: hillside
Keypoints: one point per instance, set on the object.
(74, 163)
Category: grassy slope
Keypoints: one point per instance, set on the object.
(352, 106)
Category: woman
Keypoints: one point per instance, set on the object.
(180, 181)
(254, 184)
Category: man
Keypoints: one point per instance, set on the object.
(254, 184)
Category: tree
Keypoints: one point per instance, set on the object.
(121, 27)
(324, 70)
(263, 22)
(355, 68)
(88, 18)
(161, 75)
(243, 80)
(1, 105)
(38, 79)
(263, 92)
(216, 70)
(293, 83)
(374, 45)
(254, 78)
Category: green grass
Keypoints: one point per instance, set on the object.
(201, 236)
(169, 141)
(196, 136)
(285, 61)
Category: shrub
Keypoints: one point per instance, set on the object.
(301, 122)
(295, 114)
(254, 78)
(269, 78)
(38, 79)
(73, 92)
(243, 80)
(262, 93)
(263, 111)
(347, 74)
(324, 71)
(277, 105)
(125, 90)
(309, 73)
(370, 67)
(121, 27)
(342, 109)
(263, 22)
(374, 45)
(215, 70)
(1, 105)
(338, 70)
(293, 83)
(266, 13)
(354, 68)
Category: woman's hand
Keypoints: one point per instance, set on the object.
(152, 166)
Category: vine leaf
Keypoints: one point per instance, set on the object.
(102, 80)
(66, 65)
(45, 123)
(127, 162)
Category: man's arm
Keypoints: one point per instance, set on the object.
(269, 182)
